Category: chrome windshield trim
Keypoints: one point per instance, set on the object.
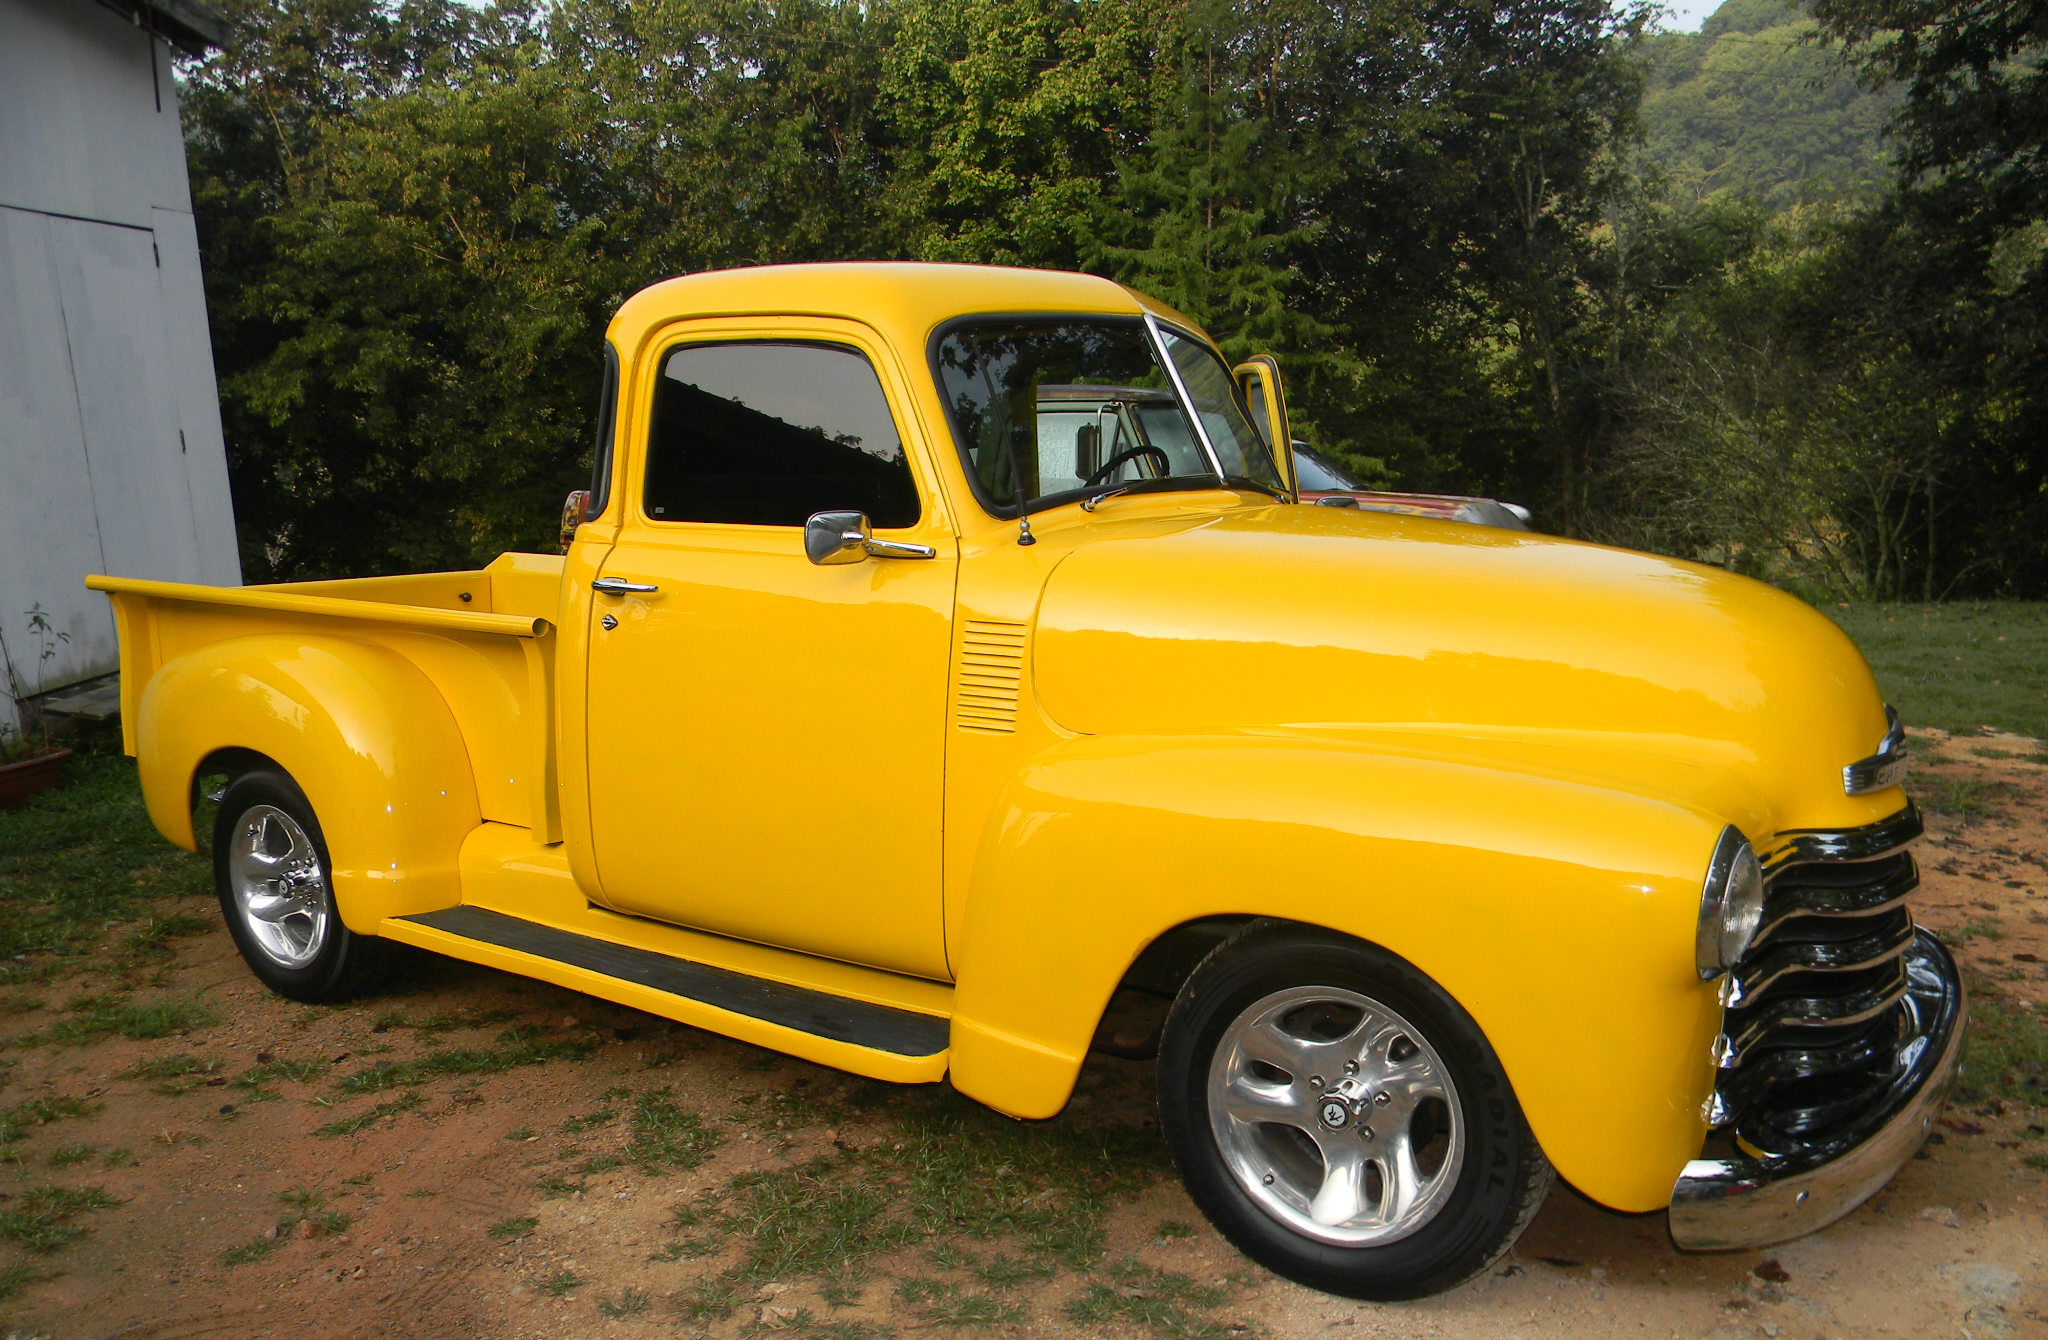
(1870, 843)
(1157, 331)
(1885, 768)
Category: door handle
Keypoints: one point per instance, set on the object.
(619, 586)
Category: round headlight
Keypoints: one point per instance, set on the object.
(1731, 904)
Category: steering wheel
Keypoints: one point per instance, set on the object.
(1101, 475)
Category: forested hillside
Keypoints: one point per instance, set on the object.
(1754, 104)
(418, 215)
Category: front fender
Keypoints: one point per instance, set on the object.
(1560, 913)
(363, 732)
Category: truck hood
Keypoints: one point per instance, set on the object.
(1523, 650)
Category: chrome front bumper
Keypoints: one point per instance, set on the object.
(1725, 1204)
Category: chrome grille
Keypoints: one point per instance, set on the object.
(1814, 1012)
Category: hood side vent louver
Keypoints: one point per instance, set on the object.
(991, 671)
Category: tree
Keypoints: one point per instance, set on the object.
(1755, 105)
(1963, 251)
(1004, 119)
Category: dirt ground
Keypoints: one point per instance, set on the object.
(470, 1153)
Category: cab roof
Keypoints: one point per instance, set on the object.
(904, 300)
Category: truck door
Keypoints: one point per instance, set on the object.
(766, 734)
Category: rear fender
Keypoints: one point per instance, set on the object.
(361, 730)
(1560, 914)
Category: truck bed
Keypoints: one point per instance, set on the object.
(482, 637)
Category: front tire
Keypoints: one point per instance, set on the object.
(1341, 1120)
(273, 876)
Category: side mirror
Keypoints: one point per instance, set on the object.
(831, 538)
(575, 511)
(836, 537)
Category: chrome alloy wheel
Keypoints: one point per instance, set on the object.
(280, 886)
(1335, 1115)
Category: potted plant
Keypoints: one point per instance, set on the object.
(29, 762)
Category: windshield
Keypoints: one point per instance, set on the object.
(1079, 405)
(1239, 447)
(1317, 475)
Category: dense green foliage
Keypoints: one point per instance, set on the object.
(1441, 215)
(1753, 104)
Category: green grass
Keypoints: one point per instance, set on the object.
(819, 1217)
(17, 1121)
(1983, 928)
(709, 1300)
(519, 1047)
(83, 858)
(505, 1230)
(1960, 665)
(666, 1137)
(2008, 1052)
(152, 938)
(945, 1303)
(253, 1250)
(1007, 1272)
(13, 1279)
(1966, 798)
(90, 1018)
(561, 1283)
(629, 1304)
(555, 1186)
(1159, 1300)
(604, 1116)
(303, 1204)
(177, 1074)
(996, 1206)
(349, 1125)
(953, 1171)
(40, 1219)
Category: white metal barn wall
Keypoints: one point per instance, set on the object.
(111, 457)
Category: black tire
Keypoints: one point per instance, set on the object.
(265, 811)
(1486, 1186)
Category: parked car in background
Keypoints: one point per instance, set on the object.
(1322, 481)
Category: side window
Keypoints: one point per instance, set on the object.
(766, 433)
(601, 455)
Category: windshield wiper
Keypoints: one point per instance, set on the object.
(1246, 482)
(1151, 485)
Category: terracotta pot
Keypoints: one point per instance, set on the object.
(30, 777)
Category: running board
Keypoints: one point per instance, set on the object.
(680, 988)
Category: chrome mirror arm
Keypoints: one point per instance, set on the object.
(832, 538)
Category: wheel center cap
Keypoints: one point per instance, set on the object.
(1342, 1103)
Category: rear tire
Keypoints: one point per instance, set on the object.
(1341, 1120)
(272, 874)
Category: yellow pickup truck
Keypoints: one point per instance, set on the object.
(883, 712)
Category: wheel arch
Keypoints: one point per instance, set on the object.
(1547, 908)
(361, 731)
(231, 761)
